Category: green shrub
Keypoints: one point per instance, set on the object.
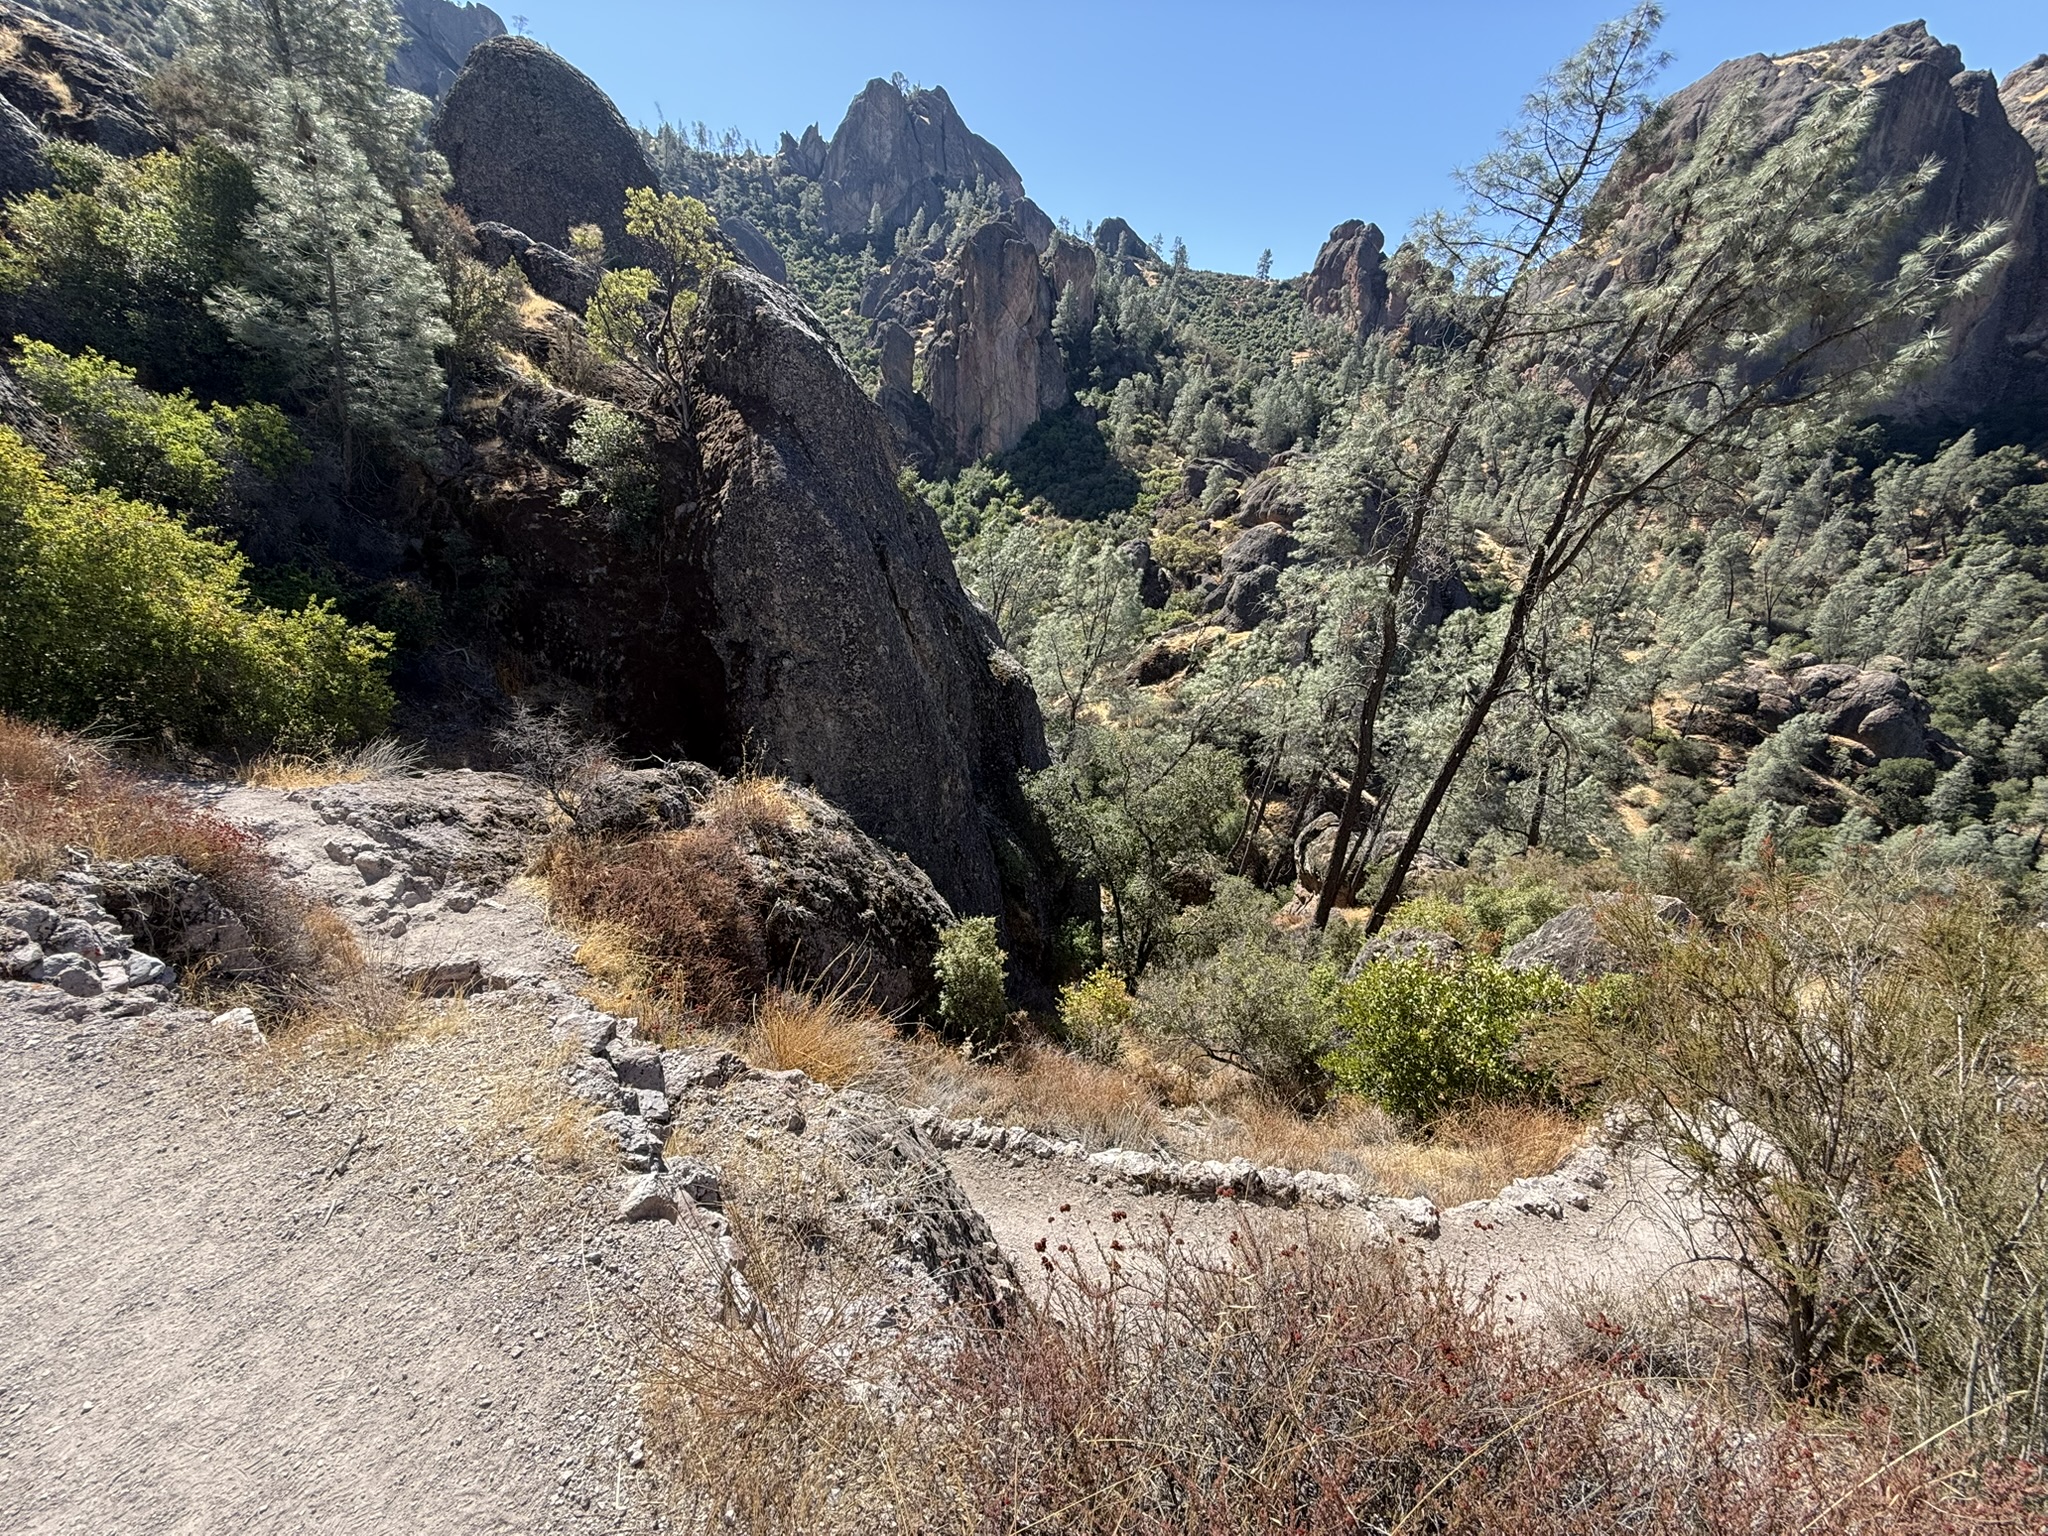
(970, 970)
(123, 256)
(1255, 1006)
(1515, 911)
(1095, 1013)
(168, 449)
(618, 458)
(1422, 1041)
(113, 612)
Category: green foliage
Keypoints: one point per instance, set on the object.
(1096, 1013)
(1423, 1041)
(618, 456)
(113, 612)
(1065, 462)
(1254, 1003)
(123, 256)
(1144, 817)
(1516, 910)
(1898, 788)
(970, 967)
(617, 315)
(1850, 1080)
(162, 448)
(640, 316)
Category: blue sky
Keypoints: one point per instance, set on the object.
(1235, 126)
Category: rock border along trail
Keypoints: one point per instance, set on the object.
(277, 1293)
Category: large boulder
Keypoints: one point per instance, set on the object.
(1926, 108)
(435, 39)
(1571, 944)
(1250, 577)
(553, 274)
(992, 367)
(896, 155)
(1121, 246)
(851, 656)
(70, 85)
(1877, 709)
(754, 247)
(532, 143)
(1348, 283)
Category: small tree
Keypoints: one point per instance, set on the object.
(641, 316)
(970, 967)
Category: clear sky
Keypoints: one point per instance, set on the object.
(1235, 126)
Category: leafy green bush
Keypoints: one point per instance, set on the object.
(617, 455)
(1513, 911)
(114, 612)
(970, 970)
(1254, 1005)
(168, 449)
(123, 256)
(1095, 1013)
(1422, 1041)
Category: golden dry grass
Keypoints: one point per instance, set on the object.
(754, 802)
(380, 759)
(831, 1036)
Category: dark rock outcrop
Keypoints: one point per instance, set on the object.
(1153, 585)
(755, 247)
(22, 165)
(1927, 108)
(1348, 283)
(552, 273)
(534, 144)
(1877, 709)
(1072, 266)
(1272, 497)
(802, 157)
(992, 367)
(70, 85)
(436, 37)
(1120, 244)
(2024, 94)
(1250, 577)
(897, 155)
(850, 654)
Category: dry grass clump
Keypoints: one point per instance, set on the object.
(1472, 1154)
(670, 922)
(59, 792)
(832, 1036)
(1041, 1087)
(380, 759)
(754, 803)
(61, 795)
(1313, 1388)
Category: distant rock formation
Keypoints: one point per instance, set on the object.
(1928, 107)
(2025, 95)
(533, 143)
(1348, 283)
(757, 250)
(1120, 244)
(897, 155)
(992, 367)
(66, 84)
(437, 36)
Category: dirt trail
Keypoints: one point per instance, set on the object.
(210, 1332)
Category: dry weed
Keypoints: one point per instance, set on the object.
(670, 923)
(832, 1036)
(755, 803)
(383, 758)
(1048, 1090)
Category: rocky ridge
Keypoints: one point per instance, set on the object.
(436, 37)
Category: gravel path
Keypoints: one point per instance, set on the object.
(208, 1331)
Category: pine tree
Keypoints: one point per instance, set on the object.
(1265, 272)
(339, 300)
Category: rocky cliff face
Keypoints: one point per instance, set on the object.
(65, 84)
(1348, 283)
(894, 156)
(784, 602)
(2025, 95)
(992, 367)
(1927, 107)
(437, 38)
(534, 144)
(850, 653)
